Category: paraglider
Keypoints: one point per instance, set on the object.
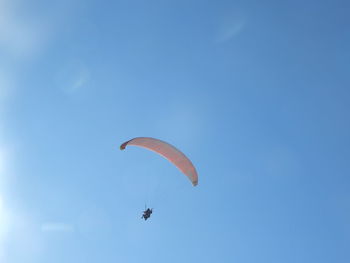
(170, 153)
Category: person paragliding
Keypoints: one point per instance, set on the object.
(147, 213)
(170, 153)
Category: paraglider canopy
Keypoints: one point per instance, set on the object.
(167, 151)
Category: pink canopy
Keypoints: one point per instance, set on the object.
(169, 152)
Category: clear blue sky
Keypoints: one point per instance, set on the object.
(255, 92)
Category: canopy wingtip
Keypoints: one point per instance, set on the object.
(122, 147)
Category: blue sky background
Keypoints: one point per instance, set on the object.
(256, 93)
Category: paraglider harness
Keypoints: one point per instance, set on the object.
(147, 213)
